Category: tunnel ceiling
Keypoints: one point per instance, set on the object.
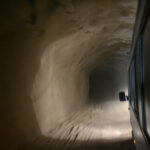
(49, 49)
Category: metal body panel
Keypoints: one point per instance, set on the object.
(142, 12)
(141, 142)
(140, 54)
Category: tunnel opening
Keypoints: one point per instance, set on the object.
(103, 83)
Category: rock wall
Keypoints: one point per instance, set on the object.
(48, 50)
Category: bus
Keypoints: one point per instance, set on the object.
(139, 78)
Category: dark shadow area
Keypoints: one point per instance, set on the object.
(101, 85)
(104, 84)
(44, 143)
(18, 124)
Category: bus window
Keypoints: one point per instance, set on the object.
(132, 87)
(139, 84)
(146, 72)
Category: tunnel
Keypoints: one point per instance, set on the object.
(63, 63)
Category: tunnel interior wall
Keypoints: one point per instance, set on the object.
(39, 87)
(48, 50)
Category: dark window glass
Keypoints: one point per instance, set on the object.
(146, 73)
(132, 90)
(139, 81)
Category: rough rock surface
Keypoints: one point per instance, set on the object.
(48, 51)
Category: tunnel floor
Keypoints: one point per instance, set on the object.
(49, 144)
(85, 130)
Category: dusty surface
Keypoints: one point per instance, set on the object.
(48, 51)
(53, 144)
